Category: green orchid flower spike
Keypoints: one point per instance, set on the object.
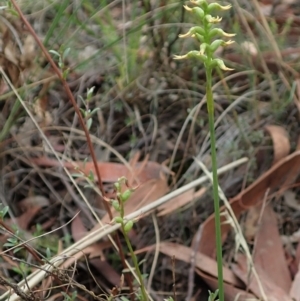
(210, 38)
(204, 34)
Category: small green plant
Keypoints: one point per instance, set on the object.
(61, 60)
(3, 211)
(87, 112)
(13, 241)
(69, 298)
(126, 225)
(22, 269)
(205, 35)
(212, 296)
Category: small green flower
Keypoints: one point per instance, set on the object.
(217, 6)
(213, 20)
(191, 54)
(119, 219)
(192, 32)
(217, 43)
(116, 205)
(221, 32)
(196, 10)
(125, 195)
(220, 64)
(117, 186)
(128, 226)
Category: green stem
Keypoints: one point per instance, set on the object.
(136, 265)
(210, 109)
(133, 256)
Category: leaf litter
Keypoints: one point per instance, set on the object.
(152, 181)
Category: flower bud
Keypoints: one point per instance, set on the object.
(128, 226)
(119, 219)
(199, 2)
(220, 64)
(213, 20)
(116, 205)
(219, 31)
(217, 43)
(117, 186)
(191, 54)
(196, 10)
(125, 195)
(193, 31)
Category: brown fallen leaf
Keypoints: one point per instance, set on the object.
(94, 253)
(278, 177)
(230, 292)
(25, 219)
(110, 172)
(270, 289)
(202, 262)
(78, 230)
(268, 251)
(180, 201)
(281, 143)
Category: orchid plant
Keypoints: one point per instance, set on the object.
(208, 36)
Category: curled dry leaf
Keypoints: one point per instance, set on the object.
(281, 143)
